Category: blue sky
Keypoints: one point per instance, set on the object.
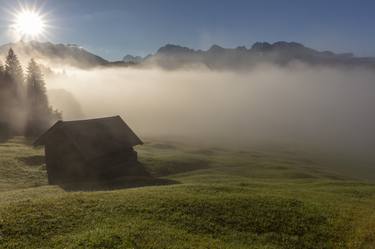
(113, 28)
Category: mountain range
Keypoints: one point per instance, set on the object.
(242, 58)
(174, 56)
(47, 52)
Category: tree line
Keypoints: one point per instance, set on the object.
(24, 107)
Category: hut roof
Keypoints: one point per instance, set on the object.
(93, 137)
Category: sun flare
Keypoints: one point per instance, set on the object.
(29, 24)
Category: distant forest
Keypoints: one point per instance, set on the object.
(24, 106)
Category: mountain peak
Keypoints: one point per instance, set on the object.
(261, 46)
(171, 48)
(215, 48)
(287, 45)
(280, 45)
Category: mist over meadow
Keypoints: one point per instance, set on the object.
(325, 110)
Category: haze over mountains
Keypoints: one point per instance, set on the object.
(177, 57)
(233, 100)
(242, 58)
(50, 53)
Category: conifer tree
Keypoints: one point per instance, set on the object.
(13, 95)
(4, 127)
(13, 69)
(39, 114)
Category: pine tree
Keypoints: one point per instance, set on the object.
(13, 69)
(4, 127)
(36, 89)
(40, 114)
(13, 95)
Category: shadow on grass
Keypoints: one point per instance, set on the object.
(4, 136)
(32, 160)
(120, 183)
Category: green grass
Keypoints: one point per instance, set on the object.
(223, 199)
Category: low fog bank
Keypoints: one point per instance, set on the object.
(326, 110)
(64, 100)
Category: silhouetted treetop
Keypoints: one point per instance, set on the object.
(13, 67)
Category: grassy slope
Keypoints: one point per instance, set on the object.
(226, 199)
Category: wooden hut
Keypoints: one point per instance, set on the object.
(90, 150)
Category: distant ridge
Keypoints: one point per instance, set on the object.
(173, 56)
(241, 58)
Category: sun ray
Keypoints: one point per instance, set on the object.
(29, 23)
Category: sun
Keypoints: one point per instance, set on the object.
(29, 24)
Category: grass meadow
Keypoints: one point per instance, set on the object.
(220, 199)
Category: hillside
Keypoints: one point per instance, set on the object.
(222, 199)
(58, 54)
